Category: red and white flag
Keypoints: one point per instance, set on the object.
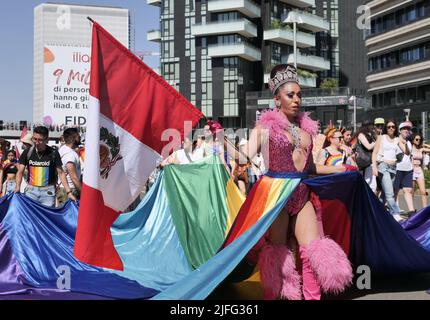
(130, 107)
(18, 144)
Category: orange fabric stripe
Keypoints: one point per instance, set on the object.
(252, 209)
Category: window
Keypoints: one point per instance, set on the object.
(374, 101)
(400, 57)
(400, 17)
(412, 95)
(389, 99)
(401, 96)
(276, 53)
(423, 93)
(411, 14)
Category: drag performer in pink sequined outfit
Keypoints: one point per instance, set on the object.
(288, 134)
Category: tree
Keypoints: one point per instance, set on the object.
(329, 83)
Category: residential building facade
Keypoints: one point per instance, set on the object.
(398, 49)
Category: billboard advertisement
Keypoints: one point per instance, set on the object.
(66, 85)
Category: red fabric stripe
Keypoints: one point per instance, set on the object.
(93, 242)
(251, 210)
(133, 96)
(337, 223)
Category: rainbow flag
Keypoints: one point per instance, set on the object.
(265, 196)
(179, 226)
(334, 160)
(191, 231)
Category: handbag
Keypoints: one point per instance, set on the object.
(363, 157)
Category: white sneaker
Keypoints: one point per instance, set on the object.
(398, 217)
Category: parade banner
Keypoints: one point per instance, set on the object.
(66, 85)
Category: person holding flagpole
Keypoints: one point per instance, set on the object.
(285, 136)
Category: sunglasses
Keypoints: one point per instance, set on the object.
(391, 127)
(37, 140)
(417, 139)
(291, 95)
(340, 138)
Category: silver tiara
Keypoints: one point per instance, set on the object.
(283, 76)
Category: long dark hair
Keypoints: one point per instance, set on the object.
(396, 132)
(421, 142)
(368, 130)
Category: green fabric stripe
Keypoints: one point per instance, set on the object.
(196, 195)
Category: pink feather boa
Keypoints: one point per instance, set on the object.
(274, 120)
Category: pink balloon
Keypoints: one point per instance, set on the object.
(47, 121)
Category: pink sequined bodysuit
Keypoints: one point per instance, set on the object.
(281, 152)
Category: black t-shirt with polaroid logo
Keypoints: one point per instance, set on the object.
(41, 166)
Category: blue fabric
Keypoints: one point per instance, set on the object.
(287, 175)
(42, 240)
(418, 227)
(35, 240)
(148, 244)
(377, 240)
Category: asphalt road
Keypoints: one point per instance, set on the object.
(407, 287)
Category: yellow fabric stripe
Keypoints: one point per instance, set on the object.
(235, 199)
(275, 191)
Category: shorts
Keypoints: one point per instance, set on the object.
(9, 186)
(403, 180)
(43, 195)
(418, 173)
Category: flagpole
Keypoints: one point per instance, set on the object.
(241, 152)
(91, 19)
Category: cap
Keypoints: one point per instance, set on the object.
(406, 124)
(27, 139)
(379, 121)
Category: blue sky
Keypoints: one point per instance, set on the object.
(16, 50)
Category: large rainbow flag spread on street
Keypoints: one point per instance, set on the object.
(170, 244)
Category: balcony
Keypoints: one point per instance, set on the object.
(154, 35)
(154, 2)
(246, 7)
(243, 50)
(376, 3)
(300, 3)
(285, 36)
(308, 82)
(310, 62)
(309, 22)
(242, 26)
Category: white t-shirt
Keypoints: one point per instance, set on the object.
(406, 163)
(387, 150)
(259, 161)
(69, 155)
(198, 154)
